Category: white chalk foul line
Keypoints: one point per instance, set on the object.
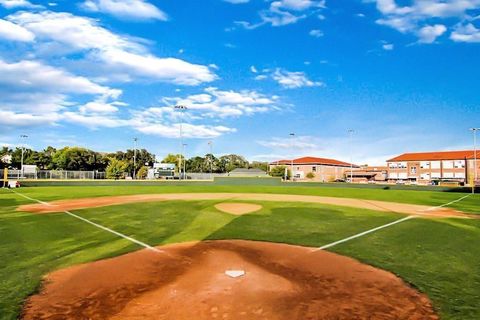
(388, 224)
(446, 204)
(96, 225)
(358, 235)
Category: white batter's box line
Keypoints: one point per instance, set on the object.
(149, 247)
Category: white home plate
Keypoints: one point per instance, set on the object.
(235, 273)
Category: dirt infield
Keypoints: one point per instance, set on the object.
(238, 208)
(188, 281)
(73, 204)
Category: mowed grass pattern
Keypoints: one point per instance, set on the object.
(440, 257)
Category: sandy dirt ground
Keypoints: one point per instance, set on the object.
(188, 281)
(73, 204)
(238, 208)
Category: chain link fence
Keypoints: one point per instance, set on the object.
(14, 174)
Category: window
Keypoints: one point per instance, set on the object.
(392, 165)
(314, 169)
(447, 164)
(448, 174)
(460, 175)
(393, 175)
(435, 175)
(425, 176)
(402, 175)
(435, 164)
(425, 164)
(459, 164)
(402, 165)
(413, 170)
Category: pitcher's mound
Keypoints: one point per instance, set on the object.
(238, 208)
(188, 281)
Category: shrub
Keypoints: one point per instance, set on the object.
(310, 175)
(142, 172)
(116, 169)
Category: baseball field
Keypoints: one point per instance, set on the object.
(238, 251)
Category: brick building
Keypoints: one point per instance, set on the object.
(425, 167)
(324, 170)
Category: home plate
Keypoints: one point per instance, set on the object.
(235, 273)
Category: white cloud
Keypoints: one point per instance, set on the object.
(285, 12)
(188, 130)
(123, 57)
(130, 9)
(34, 76)
(253, 69)
(388, 46)
(429, 34)
(19, 120)
(415, 18)
(466, 33)
(292, 80)
(11, 31)
(11, 4)
(215, 103)
(316, 33)
(93, 121)
(287, 143)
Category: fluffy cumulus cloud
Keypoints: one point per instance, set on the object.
(122, 55)
(466, 33)
(427, 19)
(215, 103)
(12, 4)
(285, 12)
(13, 32)
(292, 80)
(129, 9)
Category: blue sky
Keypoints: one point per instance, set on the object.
(97, 73)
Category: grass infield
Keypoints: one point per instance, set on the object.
(440, 257)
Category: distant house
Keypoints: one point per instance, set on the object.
(322, 169)
(243, 172)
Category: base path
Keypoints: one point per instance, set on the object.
(82, 203)
(280, 282)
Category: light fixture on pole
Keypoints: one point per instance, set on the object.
(351, 132)
(475, 176)
(291, 162)
(134, 157)
(23, 137)
(210, 143)
(182, 109)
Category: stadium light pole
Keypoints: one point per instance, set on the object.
(134, 157)
(291, 161)
(182, 109)
(210, 143)
(184, 147)
(351, 132)
(23, 137)
(475, 177)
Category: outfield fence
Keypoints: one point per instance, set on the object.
(54, 175)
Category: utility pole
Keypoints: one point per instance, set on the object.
(291, 162)
(184, 147)
(210, 143)
(23, 136)
(134, 157)
(475, 176)
(182, 109)
(351, 132)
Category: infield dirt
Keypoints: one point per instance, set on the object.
(188, 281)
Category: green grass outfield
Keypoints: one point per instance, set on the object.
(440, 257)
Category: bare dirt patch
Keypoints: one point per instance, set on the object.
(188, 281)
(238, 208)
(73, 204)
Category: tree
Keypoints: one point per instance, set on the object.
(279, 171)
(142, 172)
(310, 175)
(172, 158)
(116, 169)
(232, 161)
(259, 165)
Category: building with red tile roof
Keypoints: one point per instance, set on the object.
(322, 169)
(428, 167)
